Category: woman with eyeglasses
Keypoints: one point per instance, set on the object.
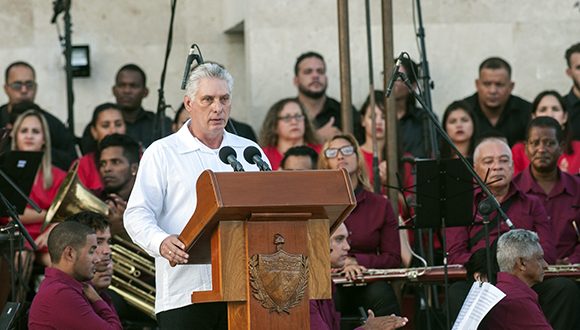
(550, 103)
(31, 133)
(374, 236)
(284, 127)
(107, 119)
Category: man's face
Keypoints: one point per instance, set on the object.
(298, 163)
(21, 85)
(129, 90)
(104, 268)
(103, 278)
(115, 170)
(210, 108)
(86, 260)
(495, 157)
(494, 88)
(574, 70)
(534, 268)
(339, 247)
(543, 149)
(311, 80)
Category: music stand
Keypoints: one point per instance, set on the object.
(21, 168)
(17, 173)
(444, 193)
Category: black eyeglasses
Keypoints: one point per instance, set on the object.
(333, 152)
(289, 118)
(17, 85)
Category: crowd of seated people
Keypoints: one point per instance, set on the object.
(531, 164)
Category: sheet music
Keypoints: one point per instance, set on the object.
(480, 300)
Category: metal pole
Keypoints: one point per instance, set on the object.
(391, 115)
(68, 68)
(344, 57)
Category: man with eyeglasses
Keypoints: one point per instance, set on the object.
(20, 86)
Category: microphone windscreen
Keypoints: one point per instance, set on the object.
(225, 152)
(250, 152)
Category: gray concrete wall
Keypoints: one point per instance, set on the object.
(258, 40)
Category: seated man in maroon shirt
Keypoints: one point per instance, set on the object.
(493, 162)
(104, 268)
(323, 315)
(521, 265)
(560, 191)
(65, 300)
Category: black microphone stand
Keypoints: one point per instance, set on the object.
(64, 6)
(435, 123)
(159, 130)
(12, 227)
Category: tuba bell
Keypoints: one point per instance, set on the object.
(133, 269)
(72, 198)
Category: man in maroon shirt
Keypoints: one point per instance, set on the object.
(521, 264)
(492, 160)
(560, 191)
(493, 163)
(65, 300)
(323, 315)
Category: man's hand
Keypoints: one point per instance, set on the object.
(173, 250)
(91, 293)
(42, 239)
(384, 322)
(327, 131)
(117, 207)
(383, 172)
(352, 270)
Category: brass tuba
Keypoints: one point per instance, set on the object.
(133, 269)
(72, 197)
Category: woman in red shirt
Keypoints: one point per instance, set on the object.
(286, 125)
(107, 119)
(31, 133)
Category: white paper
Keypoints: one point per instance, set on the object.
(480, 300)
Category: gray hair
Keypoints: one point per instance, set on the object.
(514, 244)
(207, 70)
(477, 150)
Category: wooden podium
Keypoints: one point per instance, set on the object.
(266, 235)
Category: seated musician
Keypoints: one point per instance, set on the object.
(104, 268)
(31, 133)
(118, 162)
(559, 190)
(521, 265)
(299, 158)
(493, 163)
(323, 315)
(65, 300)
(373, 231)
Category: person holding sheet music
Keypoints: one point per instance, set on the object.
(521, 265)
(373, 231)
(493, 163)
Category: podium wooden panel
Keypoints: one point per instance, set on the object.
(237, 216)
